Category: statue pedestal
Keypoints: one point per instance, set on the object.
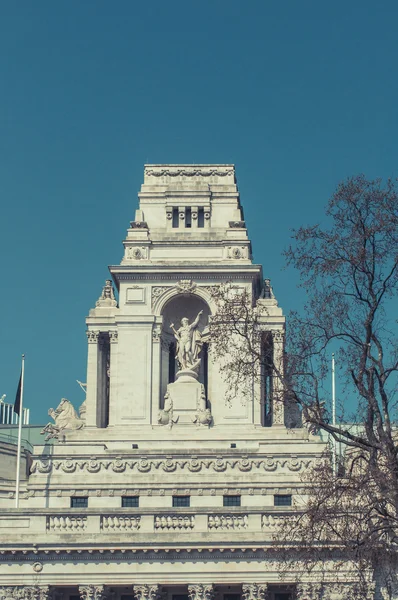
(186, 396)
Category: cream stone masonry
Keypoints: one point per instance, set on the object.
(159, 489)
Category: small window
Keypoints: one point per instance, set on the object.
(201, 217)
(79, 502)
(282, 500)
(179, 501)
(130, 501)
(175, 217)
(231, 500)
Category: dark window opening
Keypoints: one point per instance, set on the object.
(180, 597)
(205, 358)
(175, 218)
(231, 500)
(79, 502)
(172, 362)
(130, 501)
(283, 500)
(188, 217)
(181, 501)
(201, 217)
(267, 370)
(231, 596)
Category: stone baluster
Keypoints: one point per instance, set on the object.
(146, 592)
(25, 592)
(255, 591)
(92, 378)
(278, 405)
(201, 591)
(94, 592)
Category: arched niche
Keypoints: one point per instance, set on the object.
(176, 308)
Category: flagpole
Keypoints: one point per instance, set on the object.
(334, 417)
(20, 419)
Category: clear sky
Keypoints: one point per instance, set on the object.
(299, 95)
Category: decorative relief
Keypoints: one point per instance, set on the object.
(37, 567)
(227, 522)
(25, 592)
(136, 253)
(236, 252)
(66, 524)
(92, 337)
(254, 591)
(186, 286)
(277, 335)
(138, 225)
(189, 172)
(146, 592)
(237, 224)
(113, 336)
(174, 523)
(93, 592)
(120, 523)
(156, 333)
(272, 520)
(201, 592)
(309, 591)
(193, 464)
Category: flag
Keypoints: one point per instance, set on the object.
(17, 403)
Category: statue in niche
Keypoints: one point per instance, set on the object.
(189, 343)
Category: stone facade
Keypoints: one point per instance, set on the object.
(158, 488)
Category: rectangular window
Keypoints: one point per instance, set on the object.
(180, 501)
(130, 501)
(282, 500)
(79, 502)
(201, 217)
(175, 217)
(231, 500)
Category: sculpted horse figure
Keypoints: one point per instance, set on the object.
(65, 417)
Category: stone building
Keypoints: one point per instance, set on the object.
(159, 488)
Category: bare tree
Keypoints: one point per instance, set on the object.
(349, 269)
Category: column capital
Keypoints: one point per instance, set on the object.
(309, 591)
(92, 336)
(278, 336)
(255, 591)
(94, 592)
(146, 592)
(25, 592)
(113, 336)
(201, 591)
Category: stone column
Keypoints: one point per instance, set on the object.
(113, 338)
(94, 592)
(309, 591)
(92, 378)
(25, 592)
(278, 406)
(255, 591)
(201, 591)
(156, 367)
(146, 592)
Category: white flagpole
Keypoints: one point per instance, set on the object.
(19, 436)
(334, 417)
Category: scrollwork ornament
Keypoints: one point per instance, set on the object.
(244, 464)
(144, 465)
(146, 592)
(201, 592)
(93, 592)
(220, 465)
(119, 466)
(93, 466)
(254, 591)
(195, 465)
(169, 465)
(69, 466)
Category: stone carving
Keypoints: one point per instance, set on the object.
(189, 343)
(314, 411)
(186, 286)
(174, 522)
(37, 567)
(146, 592)
(65, 417)
(227, 522)
(136, 253)
(271, 521)
(203, 415)
(92, 337)
(236, 252)
(193, 464)
(138, 225)
(107, 297)
(254, 591)
(201, 592)
(25, 592)
(156, 333)
(113, 336)
(93, 592)
(165, 416)
(120, 523)
(237, 224)
(66, 523)
(188, 172)
(309, 591)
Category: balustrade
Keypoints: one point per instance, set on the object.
(224, 522)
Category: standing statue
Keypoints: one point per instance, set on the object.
(189, 343)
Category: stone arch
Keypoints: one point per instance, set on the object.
(162, 295)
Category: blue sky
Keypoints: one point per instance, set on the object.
(299, 95)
